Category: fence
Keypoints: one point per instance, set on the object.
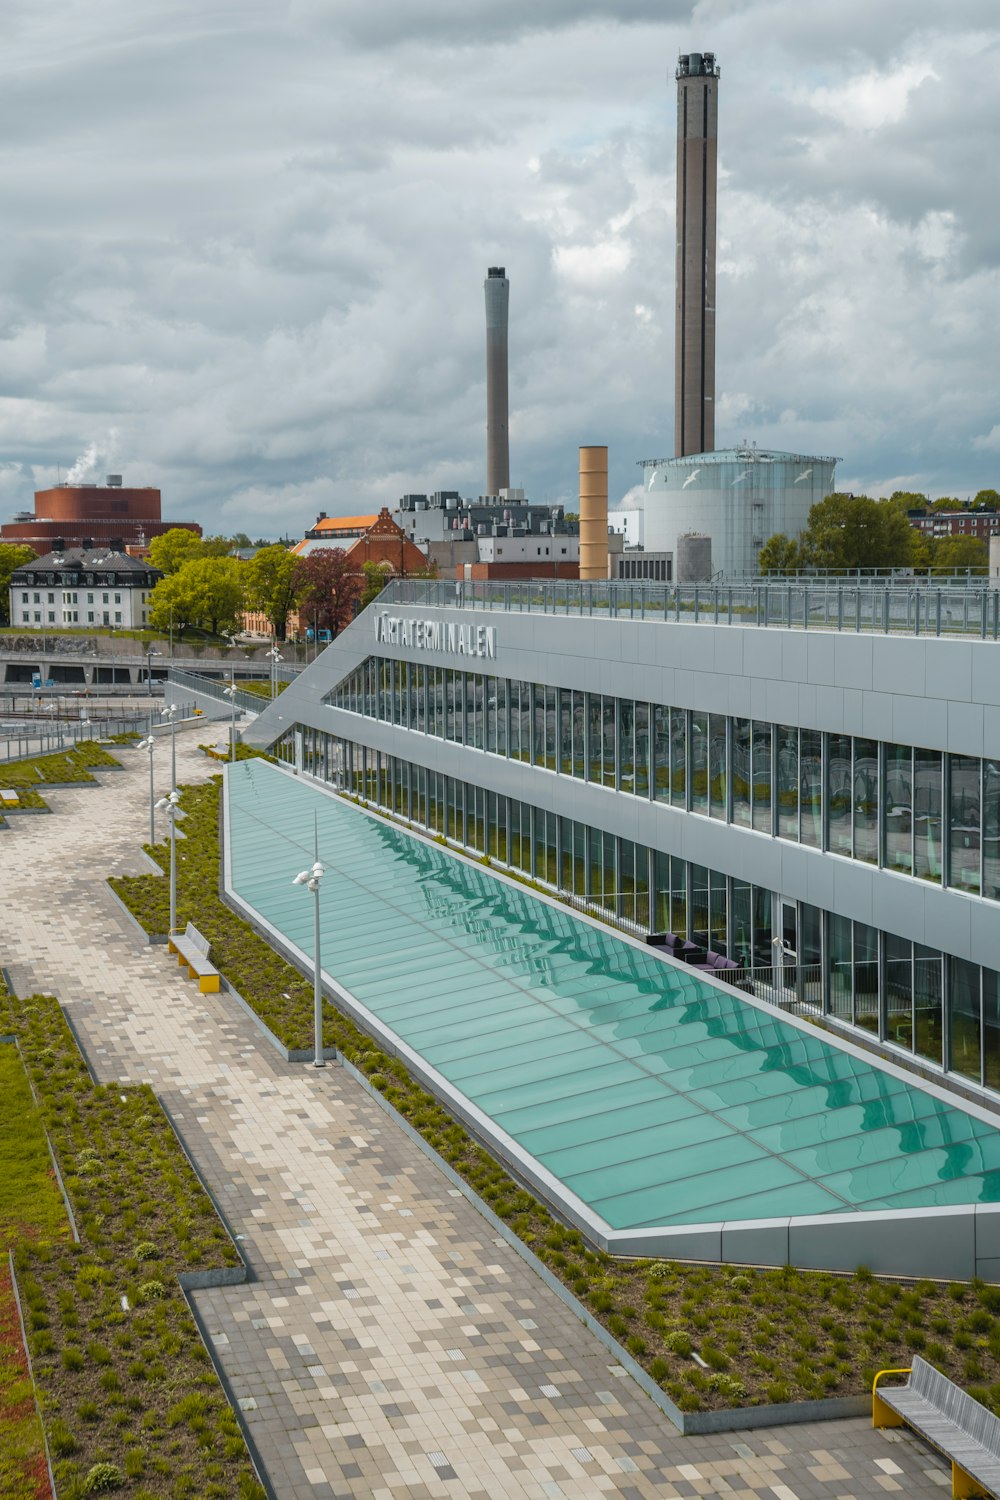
(918, 607)
(19, 740)
(215, 687)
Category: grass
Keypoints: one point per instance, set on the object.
(261, 689)
(31, 1211)
(113, 1344)
(766, 1336)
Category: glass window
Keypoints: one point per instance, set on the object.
(927, 814)
(991, 829)
(475, 725)
(699, 762)
(741, 904)
(609, 720)
(699, 906)
(839, 800)
(897, 809)
(717, 784)
(865, 787)
(551, 727)
(741, 774)
(626, 744)
(964, 1018)
(594, 733)
(579, 734)
(866, 977)
(811, 786)
(678, 757)
(991, 1028)
(898, 991)
(840, 949)
(492, 711)
(503, 716)
(788, 781)
(717, 912)
(566, 731)
(964, 822)
(642, 749)
(762, 814)
(927, 1009)
(678, 897)
(661, 752)
(537, 724)
(661, 891)
(763, 952)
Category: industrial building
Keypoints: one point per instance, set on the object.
(819, 809)
(82, 514)
(738, 497)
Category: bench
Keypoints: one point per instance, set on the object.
(955, 1424)
(192, 950)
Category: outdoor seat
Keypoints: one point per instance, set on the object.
(192, 950)
(942, 1413)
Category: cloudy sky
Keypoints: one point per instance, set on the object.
(243, 242)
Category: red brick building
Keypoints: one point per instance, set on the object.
(85, 515)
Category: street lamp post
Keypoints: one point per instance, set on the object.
(311, 879)
(150, 653)
(230, 693)
(275, 656)
(147, 745)
(169, 713)
(168, 806)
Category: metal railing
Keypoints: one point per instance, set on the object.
(19, 741)
(884, 607)
(792, 987)
(215, 687)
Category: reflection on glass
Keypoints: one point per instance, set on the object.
(964, 1018)
(763, 953)
(626, 744)
(866, 800)
(991, 829)
(678, 757)
(642, 748)
(839, 797)
(699, 763)
(608, 738)
(717, 912)
(717, 794)
(841, 967)
(898, 991)
(661, 892)
(741, 776)
(866, 977)
(699, 906)
(927, 987)
(661, 752)
(788, 781)
(927, 814)
(594, 735)
(762, 777)
(991, 1028)
(742, 914)
(811, 786)
(964, 822)
(678, 897)
(898, 808)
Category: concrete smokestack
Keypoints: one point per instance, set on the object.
(694, 326)
(594, 512)
(497, 445)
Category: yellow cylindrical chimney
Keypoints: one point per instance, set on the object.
(594, 512)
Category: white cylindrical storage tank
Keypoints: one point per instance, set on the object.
(739, 497)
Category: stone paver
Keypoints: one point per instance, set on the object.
(387, 1344)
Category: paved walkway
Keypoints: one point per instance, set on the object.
(387, 1345)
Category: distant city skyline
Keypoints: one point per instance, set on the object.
(243, 252)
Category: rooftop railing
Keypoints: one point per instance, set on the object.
(883, 607)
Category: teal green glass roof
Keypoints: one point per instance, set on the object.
(652, 1095)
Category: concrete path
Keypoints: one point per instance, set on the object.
(387, 1344)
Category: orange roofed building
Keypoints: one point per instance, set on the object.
(365, 539)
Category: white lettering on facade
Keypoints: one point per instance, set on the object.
(436, 635)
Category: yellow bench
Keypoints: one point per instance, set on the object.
(950, 1420)
(192, 949)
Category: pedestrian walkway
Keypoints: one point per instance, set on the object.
(387, 1344)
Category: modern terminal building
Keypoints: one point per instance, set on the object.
(819, 805)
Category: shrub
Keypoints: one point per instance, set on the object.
(103, 1477)
(151, 1291)
(677, 1343)
(145, 1250)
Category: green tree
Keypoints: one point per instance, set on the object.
(216, 546)
(987, 500)
(909, 499)
(206, 592)
(270, 585)
(781, 554)
(12, 555)
(853, 531)
(174, 548)
(961, 552)
(948, 502)
(375, 576)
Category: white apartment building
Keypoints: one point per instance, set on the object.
(78, 586)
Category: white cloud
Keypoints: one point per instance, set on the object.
(252, 242)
